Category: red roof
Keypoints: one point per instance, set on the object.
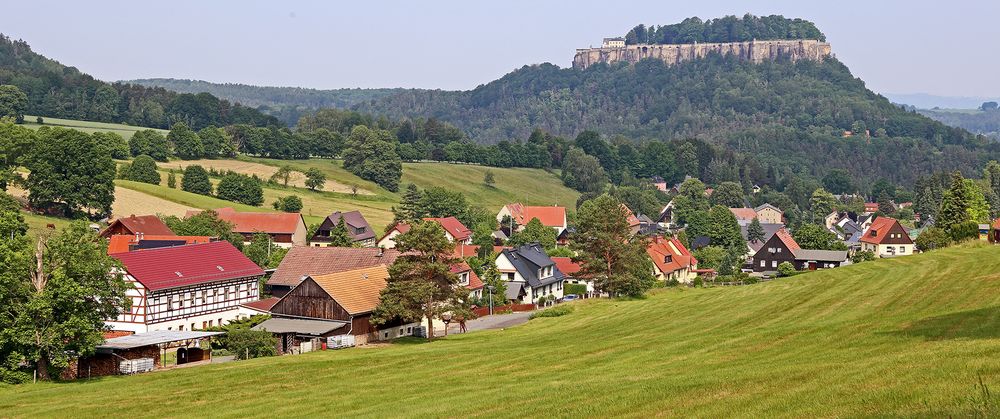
(110, 334)
(871, 206)
(879, 230)
(264, 222)
(463, 250)
(659, 248)
(787, 239)
(474, 282)
(120, 243)
(566, 266)
(744, 213)
(454, 227)
(996, 224)
(450, 224)
(172, 267)
(143, 224)
(301, 261)
(262, 305)
(630, 217)
(549, 216)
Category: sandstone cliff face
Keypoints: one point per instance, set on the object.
(754, 51)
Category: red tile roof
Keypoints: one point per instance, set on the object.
(630, 217)
(871, 206)
(463, 251)
(110, 334)
(302, 261)
(787, 239)
(880, 227)
(744, 213)
(262, 305)
(172, 267)
(264, 222)
(474, 282)
(144, 224)
(566, 266)
(454, 227)
(549, 216)
(996, 224)
(680, 257)
(120, 243)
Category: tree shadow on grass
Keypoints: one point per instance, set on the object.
(974, 324)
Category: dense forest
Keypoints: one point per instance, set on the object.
(806, 116)
(55, 90)
(285, 103)
(725, 29)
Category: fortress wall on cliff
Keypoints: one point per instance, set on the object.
(754, 51)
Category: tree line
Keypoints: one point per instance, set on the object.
(725, 29)
(55, 90)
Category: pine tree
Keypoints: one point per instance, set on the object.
(339, 236)
(755, 232)
(954, 204)
(409, 206)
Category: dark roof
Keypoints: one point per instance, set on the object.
(820, 255)
(157, 337)
(515, 290)
(352, 219)
(700, 241)
(303, 261)
(769, 230)
(527, 259)
(302, 326)
(143, 224)
(172, 267)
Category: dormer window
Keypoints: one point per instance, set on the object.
(463, 278)
(668, 258)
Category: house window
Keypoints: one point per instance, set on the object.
(170, 303)
(774, 264)
(763, 263)
(779, 250)
(902, 249)
(181, 327)
(510, 276)
(210, 323)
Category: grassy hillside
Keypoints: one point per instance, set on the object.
(530, 186)
(125, 131)
(904, 337)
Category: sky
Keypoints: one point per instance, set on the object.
(918, 46)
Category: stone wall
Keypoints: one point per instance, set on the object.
(754, 51)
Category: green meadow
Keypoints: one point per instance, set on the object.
(911, 336)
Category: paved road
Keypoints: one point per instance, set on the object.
(496, 321)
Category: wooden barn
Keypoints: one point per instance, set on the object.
(335, 304)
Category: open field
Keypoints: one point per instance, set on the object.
(530, 186)
(125, 131)
(132, 202)
(909, 336)
(262, 171)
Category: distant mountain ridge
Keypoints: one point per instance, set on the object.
(286, 103)
(59, 91)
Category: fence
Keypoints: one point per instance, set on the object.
(485, 311)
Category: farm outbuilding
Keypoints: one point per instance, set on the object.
(143, 352)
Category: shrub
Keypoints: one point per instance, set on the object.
(195, 180)
(247, 343)
(142, 169)
(698, 282)
(964, 231)
(556, 311)
(240, 188)
(671, 283)
(864, 256)
(40, 120)
(786, 269)
(290, 203)
(575, 289)
(933, 238)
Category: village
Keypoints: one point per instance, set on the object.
(323, 295)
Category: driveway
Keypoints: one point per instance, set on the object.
(496, 321)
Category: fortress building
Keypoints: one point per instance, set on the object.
(614, 50)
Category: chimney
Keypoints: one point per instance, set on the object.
(381, 250)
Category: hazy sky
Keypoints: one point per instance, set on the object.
(945, 48)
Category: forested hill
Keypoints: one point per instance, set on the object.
(793, 115)
(59, 91)
(725, 29)
(286, 103)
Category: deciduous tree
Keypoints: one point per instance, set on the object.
(196, 180)
(141, 169)
(315, 179)
(607, 250)
(187, 144)
(67, 169)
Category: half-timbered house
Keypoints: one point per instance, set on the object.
(186, 287)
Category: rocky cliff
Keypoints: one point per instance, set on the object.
(754, 51)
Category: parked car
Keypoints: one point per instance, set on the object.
(570, 297)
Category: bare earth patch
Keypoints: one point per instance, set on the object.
(128, 202)
(263, 171)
